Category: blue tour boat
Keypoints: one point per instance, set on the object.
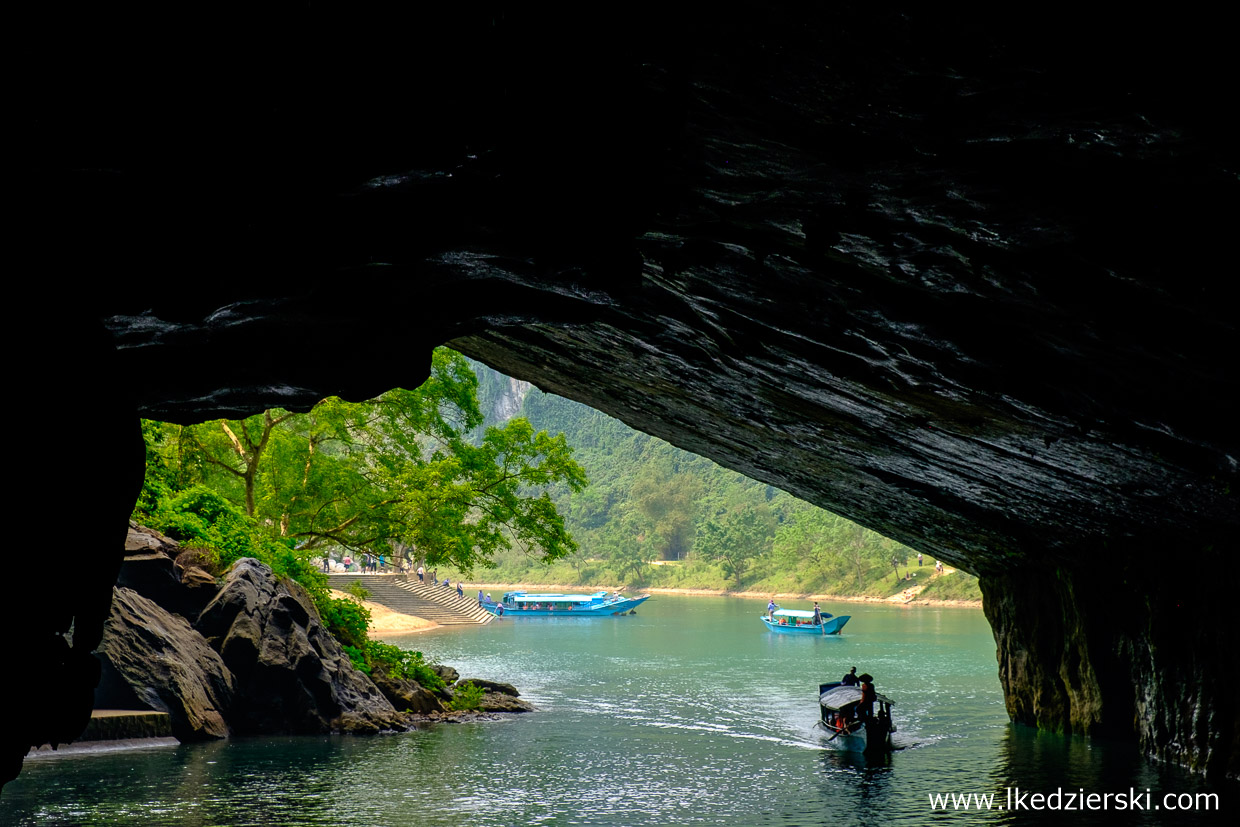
(801, 622)
(599, 604)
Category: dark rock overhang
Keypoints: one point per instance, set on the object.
(965, 279)
(956, 280)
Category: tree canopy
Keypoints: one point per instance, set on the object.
(395, 473)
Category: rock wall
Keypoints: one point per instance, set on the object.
(169, 666)
(292, 676)
(1122, 652)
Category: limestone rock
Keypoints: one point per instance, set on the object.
(406, 695)
(503, 702)
(449, 675)
(497, 697)
(168, 666)
(491, 686)
(292, 675)
(152, 567)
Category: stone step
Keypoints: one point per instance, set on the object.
(401, 594)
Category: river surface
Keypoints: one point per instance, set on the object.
(690, 712)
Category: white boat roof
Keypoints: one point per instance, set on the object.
(841, 696)
(553, 598)
(796, 613)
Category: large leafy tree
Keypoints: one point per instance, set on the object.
(393, 472)
(735, 537)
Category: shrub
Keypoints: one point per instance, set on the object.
(347, 620)
(467, 697)
(403, 663)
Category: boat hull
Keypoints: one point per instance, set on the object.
(831, 626)
(859, 741)
(602, 610)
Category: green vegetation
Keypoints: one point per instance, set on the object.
(410, 474)
(467, 697)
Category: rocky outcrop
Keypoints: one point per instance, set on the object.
(406, 695)
(168, 666)
(155, 567)
(292, 675)
(447, 673)
(489, 686)
(1123, 650)
(496, 697)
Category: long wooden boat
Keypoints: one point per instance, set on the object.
(599, 604)
(842, 726)
(801, 622)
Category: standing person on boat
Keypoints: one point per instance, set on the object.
(865, 707)
(851, 678)
(771, 607)
(817, 614)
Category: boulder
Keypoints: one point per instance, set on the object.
(152, 567)
(292, 675)
(491, 686)
(449, 675)
(407, 695)
(497, 697)
(501, 702)
(168, 666)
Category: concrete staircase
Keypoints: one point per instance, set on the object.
(408, 596)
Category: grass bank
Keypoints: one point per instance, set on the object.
(916, 584)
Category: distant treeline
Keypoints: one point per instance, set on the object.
(708, 527)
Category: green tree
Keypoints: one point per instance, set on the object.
(396, 471)
(736, 537)
(668, 503)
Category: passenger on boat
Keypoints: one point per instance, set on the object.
(865, 707)
(851, 678)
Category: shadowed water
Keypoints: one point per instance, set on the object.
(690, 712)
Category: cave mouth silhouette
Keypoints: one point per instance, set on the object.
(923, 269)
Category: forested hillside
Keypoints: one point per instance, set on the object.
(653, 514)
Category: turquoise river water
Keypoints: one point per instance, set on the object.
(690, 712)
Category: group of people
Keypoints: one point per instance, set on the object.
(772, 606)
(865, 709)
(447, 582)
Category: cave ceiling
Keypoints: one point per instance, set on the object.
(967, 280)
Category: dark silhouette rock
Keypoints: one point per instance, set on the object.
(292, 675)
(168, 666)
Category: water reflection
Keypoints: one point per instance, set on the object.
(690, 712)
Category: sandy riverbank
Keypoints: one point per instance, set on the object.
(907, 598)
(385, 621)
